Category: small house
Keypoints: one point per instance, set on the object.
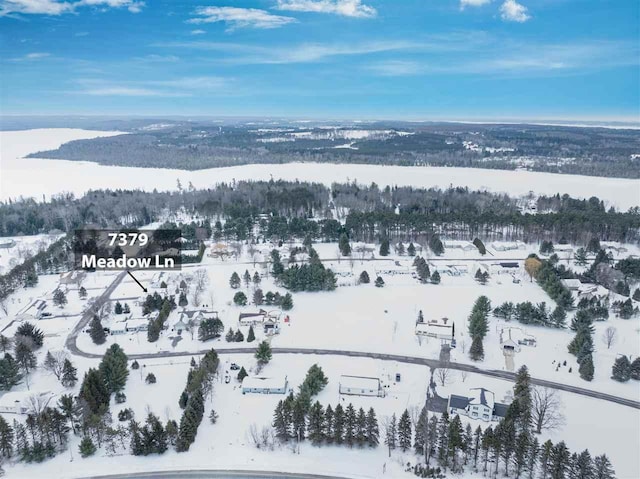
(118, 328)
(251, 319)
(34, 311)
(360, 386)
(508, 267)
(137, 325)
(571, 284)
(264, 385)
(271, 327)
(479, 404)
(436, 328)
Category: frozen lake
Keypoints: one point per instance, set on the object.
(38, 177)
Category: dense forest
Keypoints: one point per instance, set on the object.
(199, 145)
(283, 210)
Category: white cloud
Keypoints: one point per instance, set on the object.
(240, 17)
(302, 53)
(198, 32)
(512, 11)
(347, 8)
(394, 68)
(31, 56)
(473, 3)
(179, 87)
(57, 7)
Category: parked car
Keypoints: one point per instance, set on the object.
(234, 367)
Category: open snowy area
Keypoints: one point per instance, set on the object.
(36, 177)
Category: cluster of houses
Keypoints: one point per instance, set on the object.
(479, 403)
(349, 385)
(185, 320)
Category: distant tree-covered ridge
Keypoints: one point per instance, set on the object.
(557, 149)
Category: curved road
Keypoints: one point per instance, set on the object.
(432, 363)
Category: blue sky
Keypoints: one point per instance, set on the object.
(405, 59)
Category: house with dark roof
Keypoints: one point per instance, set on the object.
(478, 404)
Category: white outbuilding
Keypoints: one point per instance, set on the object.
(360, 386)
(264, 385)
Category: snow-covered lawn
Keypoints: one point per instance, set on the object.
(37, 177)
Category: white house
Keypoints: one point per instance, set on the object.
(21, 402)
(479, 404)
(461, 245)
(264, 385)
(507, 245)
(504, 267)
(251, 319)
(118, 328)
(436, 328)
(360, 386)
(138, 324)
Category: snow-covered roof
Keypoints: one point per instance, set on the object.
(572, 283)
(481, 396)
(136, 323)
(436, 326)
(359, 382)
(264, 382)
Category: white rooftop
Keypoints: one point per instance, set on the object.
(261, 382)
(359, 382)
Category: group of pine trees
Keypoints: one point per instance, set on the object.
(119, 308)
(623, 369)
(210, 328)
(550, 281)
(237, 336)
(582, 346)
(199, 386)
(311, 276)
(528, 313)
(273, 299)
(156, 325)
(423, 272)
(478, 327)
(510, 445)
(16, 367)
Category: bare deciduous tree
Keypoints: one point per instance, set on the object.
(199, 282)
(609, 336)
(546, 409)
(54, 363)
(443, 375)
(463, 375)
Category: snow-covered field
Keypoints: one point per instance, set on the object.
(25, 246)
(38, 177)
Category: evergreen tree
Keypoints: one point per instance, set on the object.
(242, 374)
(621, 370)
(521, 453)
(256, 278)
(338, 424)
(234, 281)
(82, 292)
(580, 257)
(583, 467)
(96, 331)
(118, 308)
(240, 299)
(126, 309)
(258, 297)
(372, 429)
(404, 431)
(316, 423)
(350, 418)
(59, 298)
(25, 359)
(246, 277)
(379, 282)
(476, 352)
(384, 247)
(33, 336)
(586, 369)
(210, 328)
(634, 371)
(6, 439)
(343, 245)
(299, 415)
(602, 468)
(532, 460)
(361, 427)
(443, 440)
(364, 278)
(328, 424)
(454, 441)
(287, 302)
(279, 423)
(229, 336)
(411, 250)
(263, 353)
(113, 369)
(87, 448)
(69, 374)
(94, 391)
(559, 317)
(391, 433)
(10, 373)
(560, 457)
(436, 245)
(238, 337)
(435, 278)
(252, 335)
